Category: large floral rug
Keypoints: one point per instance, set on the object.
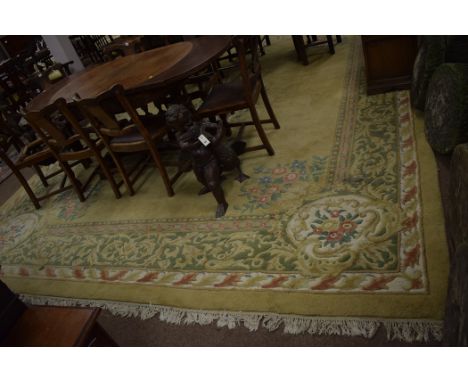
(341, 231)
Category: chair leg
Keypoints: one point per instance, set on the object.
(109, 176)
(300, 49)
(260, 131)
(162, 170)
(21, 179)
(331, 47)
(41, 175)
(27, 188)
(267, 104)
(73, 180)
(267, 40)
(314, 37)
(226, 126)
(123, 173)
(338, 39)
(260, 44)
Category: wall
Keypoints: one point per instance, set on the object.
(63, 51)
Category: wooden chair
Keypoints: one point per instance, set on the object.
(34, 154)
(122, 46)
(93, 146)
(89, 47)
(300, 45)
(138, 134)
(231, 53)
(242, 93)
(155, 41)
(265, 38)
(59, 128)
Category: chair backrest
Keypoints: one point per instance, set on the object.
(103, 112)
(249, 63)
(58, 125)
(45, 124)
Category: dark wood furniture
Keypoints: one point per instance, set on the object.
(11, 309)
(58, 127)
(301, 45)
(34, 154)
(157, 41)
(89, 48)
(140, 133)
(456, 313)
(389, 62)
(14, 94)
(122, 46)
(23, 325)
(265, 38)
(58, 326)
(242, 94)
(145, 71)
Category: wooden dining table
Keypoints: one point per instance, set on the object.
(152, 69)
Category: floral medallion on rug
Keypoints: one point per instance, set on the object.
(341, 231)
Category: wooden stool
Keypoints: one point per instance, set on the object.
(301, 46)
(58, 326)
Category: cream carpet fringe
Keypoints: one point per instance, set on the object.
(408, 330)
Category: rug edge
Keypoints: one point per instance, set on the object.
(407, 330)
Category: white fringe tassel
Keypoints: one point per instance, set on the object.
(407, 330)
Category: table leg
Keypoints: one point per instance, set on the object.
(330, 44)
(300, 49)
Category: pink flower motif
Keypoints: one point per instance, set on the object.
(279, 170)
(264, 199)
(291, 177)
(273, 189)
(254, 190)
(335, 213)
(335, 236)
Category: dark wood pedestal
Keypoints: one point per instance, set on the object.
(389, 62)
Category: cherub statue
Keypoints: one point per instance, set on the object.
(209, 156)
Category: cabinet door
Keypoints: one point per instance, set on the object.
(389, 62)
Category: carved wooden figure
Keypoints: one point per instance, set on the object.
(209, 155)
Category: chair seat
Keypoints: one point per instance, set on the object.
(229, 96)
(134, 141)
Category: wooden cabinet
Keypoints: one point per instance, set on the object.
(22, 325)
(58, 326)
(389, 62)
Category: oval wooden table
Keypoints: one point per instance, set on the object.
(154, 68)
